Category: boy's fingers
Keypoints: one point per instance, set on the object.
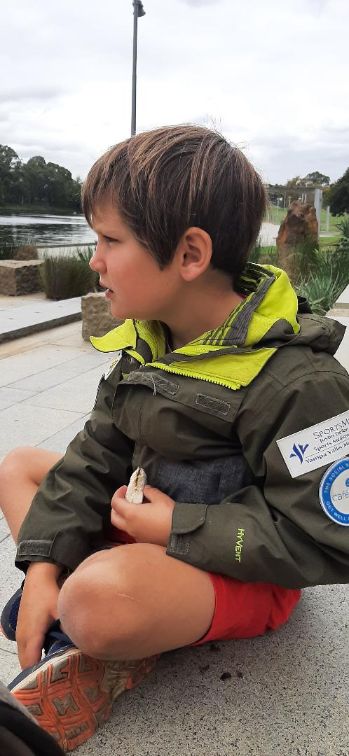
(30, 653)
(119, 493)
(154, 495)
(117, 520)
(120, 505)
(150, 492)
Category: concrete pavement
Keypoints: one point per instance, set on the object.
(285, 694)
(20, 317)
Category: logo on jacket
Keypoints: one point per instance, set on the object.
(317, 446)
(299, 451)
(334, 492)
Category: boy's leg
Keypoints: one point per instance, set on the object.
(21, 473)
(135, 601)
(158, 601)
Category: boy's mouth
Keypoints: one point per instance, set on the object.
(107, 289)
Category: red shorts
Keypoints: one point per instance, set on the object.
(242, 610)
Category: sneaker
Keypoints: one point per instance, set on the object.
(71, 694)
(9, 615)
(9, 618)
(19, 732)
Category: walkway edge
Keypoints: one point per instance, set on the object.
(44, 325)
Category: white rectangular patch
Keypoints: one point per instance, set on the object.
(316, 446)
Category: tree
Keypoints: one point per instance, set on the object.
(338, 197)
(316, 179)
(296, 181)
(35, 175)
(36, 182)
(9, 166)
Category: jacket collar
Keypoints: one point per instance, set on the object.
(269, 301)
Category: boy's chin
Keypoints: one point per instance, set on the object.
(118, 313)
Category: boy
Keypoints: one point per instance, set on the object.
(223, 396)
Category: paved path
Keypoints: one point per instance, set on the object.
(285, 694)
(20, 316)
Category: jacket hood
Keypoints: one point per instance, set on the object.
(264, 321)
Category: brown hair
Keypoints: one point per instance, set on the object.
(166, 180)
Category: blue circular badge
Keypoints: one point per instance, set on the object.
(334, 492)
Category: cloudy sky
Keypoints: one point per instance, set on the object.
(272, 75)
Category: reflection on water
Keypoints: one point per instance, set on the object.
(45, 229)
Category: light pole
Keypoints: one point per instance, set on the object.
(138, 12)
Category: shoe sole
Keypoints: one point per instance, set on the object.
(71, 697)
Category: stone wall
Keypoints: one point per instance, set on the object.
(20, 277)
(96, 316)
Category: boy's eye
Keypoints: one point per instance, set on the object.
(109, 239)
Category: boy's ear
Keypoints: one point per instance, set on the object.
(194, 253)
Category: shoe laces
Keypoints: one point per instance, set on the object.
(56, 639)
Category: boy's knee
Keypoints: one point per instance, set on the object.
(98, 604)
(14, 463)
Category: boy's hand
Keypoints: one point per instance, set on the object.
(149, 522)
(38, 609)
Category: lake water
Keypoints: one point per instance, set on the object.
(45, 229)
(48, 230)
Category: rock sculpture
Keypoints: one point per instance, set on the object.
(297, 238)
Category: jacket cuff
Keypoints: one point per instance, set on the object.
(186, 518)
(63, 550)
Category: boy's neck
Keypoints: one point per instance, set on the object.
(200, 314)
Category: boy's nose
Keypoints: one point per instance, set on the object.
(96, 261)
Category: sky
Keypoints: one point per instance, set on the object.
(271, 75)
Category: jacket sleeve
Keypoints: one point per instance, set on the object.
(275, 529)
(71, 509)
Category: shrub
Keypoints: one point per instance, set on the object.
(26, 252)
(327, 280)
(7, 251)
(321, 291)
(85, 256)
(64, 277)
(322, 274)
(262, 255)
(85, 253)
(344, 227)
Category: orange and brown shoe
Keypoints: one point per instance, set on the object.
(71, 694)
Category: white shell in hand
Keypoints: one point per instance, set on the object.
(135, 488)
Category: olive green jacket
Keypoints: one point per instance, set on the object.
(205, 421)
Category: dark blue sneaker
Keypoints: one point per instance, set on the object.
(9, 615)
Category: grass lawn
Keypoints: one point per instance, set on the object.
(324, 243)
(327, 241)
(275, 214)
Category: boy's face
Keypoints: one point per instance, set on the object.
(135, 285)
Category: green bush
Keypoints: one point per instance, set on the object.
(26, 252)
(85, 253)
(7, 251)
(327, 280)
(305, 259)
(344, 227)
(64, 277)
(321, 290)
(263, 255)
